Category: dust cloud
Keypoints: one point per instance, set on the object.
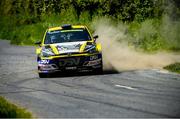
(119, 56)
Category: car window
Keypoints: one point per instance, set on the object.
(61, 36)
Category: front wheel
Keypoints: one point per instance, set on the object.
(43, 75)
(99, 70)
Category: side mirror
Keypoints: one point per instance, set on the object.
(95, 37)
(38, 43)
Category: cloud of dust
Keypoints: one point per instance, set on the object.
(119, 56)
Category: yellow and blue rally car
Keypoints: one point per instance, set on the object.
(68, 48)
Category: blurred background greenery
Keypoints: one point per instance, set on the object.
(152, 24)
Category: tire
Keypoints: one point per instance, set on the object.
(42, 75)
(99, 70)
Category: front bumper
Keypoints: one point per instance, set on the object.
(81, 63)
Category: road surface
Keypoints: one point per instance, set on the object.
(139, 93)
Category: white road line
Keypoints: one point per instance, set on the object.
(126, 87)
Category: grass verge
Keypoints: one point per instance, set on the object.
(173, 67)
(9, 110)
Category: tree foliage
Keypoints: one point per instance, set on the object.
(152, 24)
(125, 10)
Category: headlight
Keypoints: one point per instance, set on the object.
(47, 51)
(90, 48)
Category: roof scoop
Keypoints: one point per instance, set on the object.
(66, 26)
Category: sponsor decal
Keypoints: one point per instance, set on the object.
(94, 57)
(69, 62)
(44, 61)
(53, 32)
(94, 62)
(69, 47)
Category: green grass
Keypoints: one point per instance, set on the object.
(173, 67)
(9, 110)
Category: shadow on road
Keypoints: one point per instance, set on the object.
(73, 74)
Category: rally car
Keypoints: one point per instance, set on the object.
(68, 48)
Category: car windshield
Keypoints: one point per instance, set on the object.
(61, 36)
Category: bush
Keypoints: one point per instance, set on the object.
(8, 110)
(28, 34)
(170, 32)
(173, 67)
(147, 35)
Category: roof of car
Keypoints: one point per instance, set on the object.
(60, 27)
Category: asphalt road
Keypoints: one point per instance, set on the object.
(140, 93)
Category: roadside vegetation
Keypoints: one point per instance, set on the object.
(8, 110)
(174, 67)
(151, 25)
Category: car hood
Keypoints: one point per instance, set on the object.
(70, 47)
